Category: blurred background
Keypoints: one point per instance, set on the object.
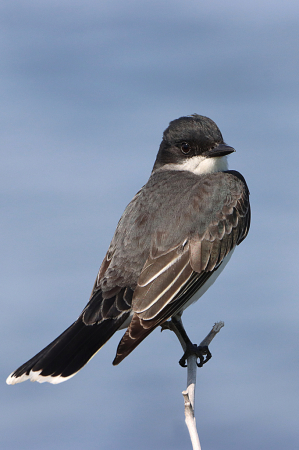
(87, 89)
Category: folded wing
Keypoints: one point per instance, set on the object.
(169, 279)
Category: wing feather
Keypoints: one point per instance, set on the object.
(155, 291)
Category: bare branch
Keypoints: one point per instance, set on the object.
(189, 393)
(189, 400)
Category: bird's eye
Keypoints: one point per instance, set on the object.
(185, 148)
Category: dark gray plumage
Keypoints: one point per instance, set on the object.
(170, 241)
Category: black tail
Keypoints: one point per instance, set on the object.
(68, 353)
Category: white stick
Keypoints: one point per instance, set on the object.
(189, 393)
(189, 400)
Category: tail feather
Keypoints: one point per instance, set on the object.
(137, 331)
(68, 353)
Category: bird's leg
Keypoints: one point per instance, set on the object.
(176, 325)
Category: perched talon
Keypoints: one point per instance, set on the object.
(175, 324)
(182, 361)
(199, 352)
(207, 353)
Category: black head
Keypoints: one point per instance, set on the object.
(190, 136)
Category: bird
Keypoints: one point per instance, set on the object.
(171, 243)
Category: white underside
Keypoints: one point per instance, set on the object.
(200, 165)
(209, 283)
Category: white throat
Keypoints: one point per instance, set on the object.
(201, 165)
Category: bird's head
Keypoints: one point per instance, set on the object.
(193, 143)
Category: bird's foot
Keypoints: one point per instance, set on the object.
(199, 351)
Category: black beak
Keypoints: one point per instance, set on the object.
(220, 150)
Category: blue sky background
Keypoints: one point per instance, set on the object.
(87, 89)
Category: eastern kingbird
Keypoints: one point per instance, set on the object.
(170, 245)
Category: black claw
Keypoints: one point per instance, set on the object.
(199, 351)
(182, 361)
(201, 361)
